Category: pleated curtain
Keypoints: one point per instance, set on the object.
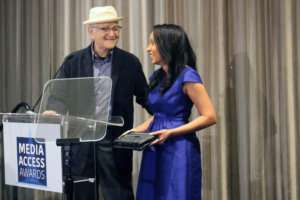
(248, 55)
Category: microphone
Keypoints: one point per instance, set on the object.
(25, 105)
(69, 57)
(22, 104)
(16, 108)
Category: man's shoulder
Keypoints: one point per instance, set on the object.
(121, 52)
(78, 54)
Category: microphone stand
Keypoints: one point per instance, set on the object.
(66, 144)
(25, 105)
(16, 109)
(39, 99)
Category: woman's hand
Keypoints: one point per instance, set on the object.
(163, 135)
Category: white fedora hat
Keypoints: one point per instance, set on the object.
(102, 14)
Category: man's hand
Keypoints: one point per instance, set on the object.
(126, 133)
(49, 112)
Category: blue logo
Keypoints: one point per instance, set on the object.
(31, 161)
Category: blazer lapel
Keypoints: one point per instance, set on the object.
(87, 64)
(116, 68)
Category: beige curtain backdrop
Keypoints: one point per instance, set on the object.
(248, 56)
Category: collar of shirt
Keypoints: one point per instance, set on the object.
(102, 66)
(96, 58)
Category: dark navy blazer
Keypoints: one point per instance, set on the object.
(128, 80)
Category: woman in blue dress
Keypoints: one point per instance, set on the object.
(171, 166)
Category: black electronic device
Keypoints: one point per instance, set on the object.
(134, 141)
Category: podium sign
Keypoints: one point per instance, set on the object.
(81, 111)
(29, 162)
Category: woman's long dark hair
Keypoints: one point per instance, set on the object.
(176, 52)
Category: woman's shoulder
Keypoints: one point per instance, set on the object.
(190, 74)
(153, 75)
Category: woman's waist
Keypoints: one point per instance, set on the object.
(169, 117)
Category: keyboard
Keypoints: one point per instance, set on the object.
(134, 141)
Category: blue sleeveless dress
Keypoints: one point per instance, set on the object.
(171, 171)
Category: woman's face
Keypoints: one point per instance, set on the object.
(154, 52)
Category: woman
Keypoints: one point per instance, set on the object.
(171, 167)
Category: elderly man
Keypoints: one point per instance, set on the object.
(103, 58)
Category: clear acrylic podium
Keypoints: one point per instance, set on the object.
(81, 108)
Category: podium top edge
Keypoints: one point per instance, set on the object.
(113, 121)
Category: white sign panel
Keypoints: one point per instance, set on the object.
(30, 163)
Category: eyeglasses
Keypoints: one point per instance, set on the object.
(115, 29)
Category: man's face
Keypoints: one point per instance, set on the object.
(105, 35)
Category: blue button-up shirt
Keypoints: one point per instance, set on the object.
(102, 67)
